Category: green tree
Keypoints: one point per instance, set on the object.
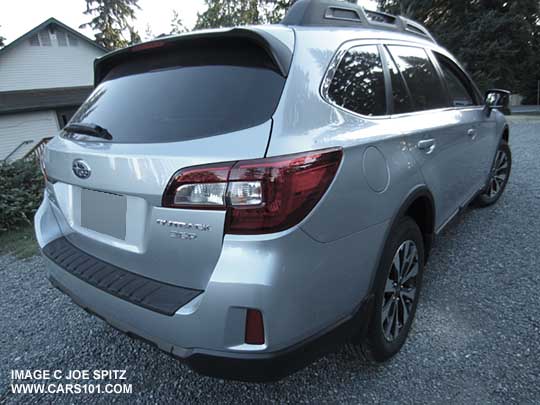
(113, 21)
(230, 13)
(276, 9)
(277, 12)
(148, 33)
(177, 25)
(2, 39)
(492, 38)
(530, 85)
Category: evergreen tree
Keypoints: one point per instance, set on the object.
(278, 11)
(177, 26)
(230, 13)
(148, 33)
(2, 39)
(278, 8)
(530, 82)
(134, 37)
(113, 21)
(494, 39)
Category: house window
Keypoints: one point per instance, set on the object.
(73, 41)
(34, 40)
(61, 38)
(44, 38)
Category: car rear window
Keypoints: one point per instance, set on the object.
(358, 83)
(182, 93)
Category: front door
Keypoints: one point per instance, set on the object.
(435, 132)
(478, 130)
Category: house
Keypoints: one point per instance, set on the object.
(45, 75)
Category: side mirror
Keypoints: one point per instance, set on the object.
(497, 99)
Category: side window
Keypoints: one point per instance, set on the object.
(421, 77)
(400, 95)
(358, 83)
(459, 87)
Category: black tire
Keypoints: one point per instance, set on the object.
(376, 346)
(495, 186)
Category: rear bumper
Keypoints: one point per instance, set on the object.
(308, 292)
(256, 367)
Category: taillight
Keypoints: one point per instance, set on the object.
(290, 187)
(199, 187)
(261, 195)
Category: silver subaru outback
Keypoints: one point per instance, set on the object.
(247, 198)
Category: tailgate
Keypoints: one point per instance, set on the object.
(115, 214)
(164, 107)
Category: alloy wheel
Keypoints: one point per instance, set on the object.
(499, 174)
(400, 290)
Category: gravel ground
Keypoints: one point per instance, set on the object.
(475, 340)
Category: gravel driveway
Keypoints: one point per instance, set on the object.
(476, 338)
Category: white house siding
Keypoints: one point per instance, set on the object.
(516, 99)
(26, 67)
(17, 128)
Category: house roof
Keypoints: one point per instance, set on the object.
(42, 99)
(46, 23)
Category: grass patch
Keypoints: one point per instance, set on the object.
(20, 242)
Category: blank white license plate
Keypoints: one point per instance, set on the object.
(104, 213)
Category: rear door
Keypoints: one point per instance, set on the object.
(167, 106)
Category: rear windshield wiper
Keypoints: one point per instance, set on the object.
(88, 129)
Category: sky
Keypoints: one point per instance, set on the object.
(20, 16)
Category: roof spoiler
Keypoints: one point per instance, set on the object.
(280, 54)
(335, 13)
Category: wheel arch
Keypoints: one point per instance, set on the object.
(420, 206)
(506, 134)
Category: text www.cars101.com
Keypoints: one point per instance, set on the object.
(71, 388)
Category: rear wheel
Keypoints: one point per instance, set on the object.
(498, 177)
(397, 289)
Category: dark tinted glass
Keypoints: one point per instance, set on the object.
(401, 100)
(168, 97)
(421, 77)
(458, 85)
(358, 83)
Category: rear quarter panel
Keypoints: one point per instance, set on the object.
(305, 121)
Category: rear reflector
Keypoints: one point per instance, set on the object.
(254, 327)
(261, 195)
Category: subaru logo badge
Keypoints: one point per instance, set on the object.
(81, 169)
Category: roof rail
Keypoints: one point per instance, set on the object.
(334, 13)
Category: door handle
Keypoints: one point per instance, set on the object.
(427, 145)
(472, 133)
